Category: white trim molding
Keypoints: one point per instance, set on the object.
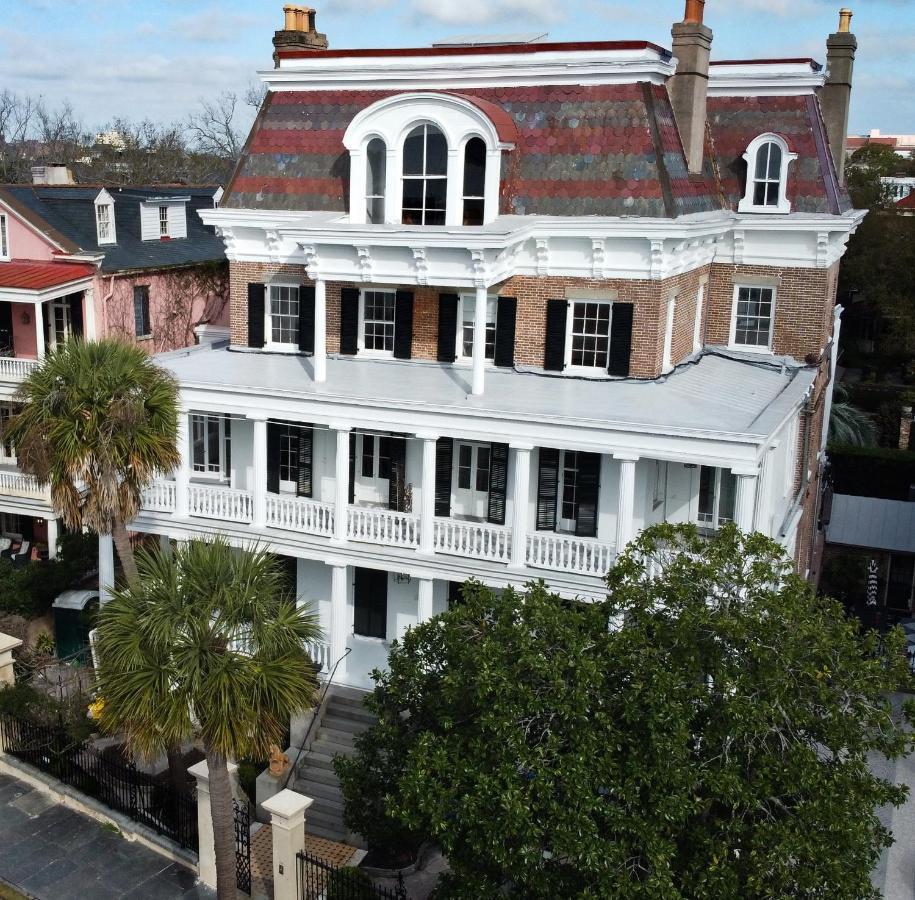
(760, 144)
(778, 78)
(104, 200)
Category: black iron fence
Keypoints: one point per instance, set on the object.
(242, 844)
(118, 784)
(320, 880)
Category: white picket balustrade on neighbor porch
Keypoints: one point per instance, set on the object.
(382, 526)
(12, 369)
(300, 514)
(159, 496)
(586, 556)
(320, 655)
(23, 485)
(479, 540)
(211, 502)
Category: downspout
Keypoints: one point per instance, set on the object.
(105, 300)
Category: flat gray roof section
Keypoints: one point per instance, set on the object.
(873, 523)
(715, 394)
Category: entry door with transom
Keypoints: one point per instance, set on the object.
(373, 470)
(471, 480)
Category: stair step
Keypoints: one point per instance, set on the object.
(325, 820)
(345, 723)
(345, 738)
(317, 760)
(359, 715)
(332, 748)
(331, 834)
(317, 789)
(326, 777)
(347, 695)
(324, 806)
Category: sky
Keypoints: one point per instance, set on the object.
(156, 59)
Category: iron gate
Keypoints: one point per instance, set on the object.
(317, 878)
(242, 845)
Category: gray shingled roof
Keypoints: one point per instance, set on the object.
(70, 210)
(872, 522)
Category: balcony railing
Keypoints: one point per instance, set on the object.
(13, 369)
(300, 514)
(18, 484)
(159, 496)
(476, 539)
(224, 503)
(382, 526)
(320, 654)
(546, 550)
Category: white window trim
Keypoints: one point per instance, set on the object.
(360, 338)
(221, 476)
(586, 371)
(752, 348)
(717, 519)
(5, 253)
(671, 313)
(746, 203)
(104, 199)
(269, 343)
(697, 324)
(461, 359)
(392, 119)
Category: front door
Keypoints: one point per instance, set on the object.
(373, 470)
(61, 323)
(370, 603)
(471, 477)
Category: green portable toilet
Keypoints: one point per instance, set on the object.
(74, 613)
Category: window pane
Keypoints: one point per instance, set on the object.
(483, 468)
(706, 494)
(436, 152)
(473, 212)
(775, 162)
(368, 456)
(378, 307)
(728, 497)
(374, 210)
(436, 193)
(413, 152)
(754, 316)
(465, 457)
(762, 160)
(377, 160)
(384, 457)
(212, 444)
(435, 217)
(590, 334)
(569, 485)
(284, 314)
(759, 193)
(197, 442)
(474, 168)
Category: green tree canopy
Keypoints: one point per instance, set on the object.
(701, 734)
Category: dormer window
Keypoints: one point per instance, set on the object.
(163, 218)
(375, 178)
(163, 221)
(104, 218)
(425, 177)
(767, 160)
(474, 181)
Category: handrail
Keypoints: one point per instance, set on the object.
(314, 718)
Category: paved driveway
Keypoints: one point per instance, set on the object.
(55, 853)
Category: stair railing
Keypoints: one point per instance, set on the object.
(315, 715)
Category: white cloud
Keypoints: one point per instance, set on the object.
(472, 13)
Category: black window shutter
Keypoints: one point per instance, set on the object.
(554, 351)
(274, 429)
(397, 447)
(307, 318)
(498, 482)
(76, 314)
(46, 323)
(586, 493)
(505, 331)
(349, 321)
(370, 603)
(547, 489)
(403, 324)
(620, 339)
(256, 296)
(304, 487)
(352, 467)
(227, 446)
(6, 329)
(447, 327)
(444, 449)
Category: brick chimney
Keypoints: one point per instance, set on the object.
(835, 96)
(688, 88)
(298, 32)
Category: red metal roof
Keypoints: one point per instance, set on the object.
(32, 275)
(907, 202)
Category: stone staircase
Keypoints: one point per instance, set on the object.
(344, 716)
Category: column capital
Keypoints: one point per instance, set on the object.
(426, 435)
(624, 456)
(256, 416)
(521, 446)
(340, 426)
(745, 472)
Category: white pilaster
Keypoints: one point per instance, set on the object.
(320, 355)
(89, 326)
(259, 462)
(745, 502)
(479, 340)
(520, 502)
(341, 496)
(287, 824)
(427, 495)
(339, 618)
(626, 511)
(183, 472)
(424, 600)
(105, 567)
(763, 521)
(53, 534)
(454, 199)
(38, 315)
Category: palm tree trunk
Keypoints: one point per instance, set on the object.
(223, 825)
(125, 552)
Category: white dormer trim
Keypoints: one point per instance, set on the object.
(103, 201)
(779, 78)
(217, 196)
(175, 219)
(748, 201)
(392, 119)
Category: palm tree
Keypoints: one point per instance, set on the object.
(847, 423)
(98, 422)
(209, 643)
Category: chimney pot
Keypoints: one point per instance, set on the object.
(299, 32)
(290, 17)
(301, 19)
(845, 15)
(695, 9)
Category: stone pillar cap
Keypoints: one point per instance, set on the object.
(287, 804)
(201, 771)
(8, 642)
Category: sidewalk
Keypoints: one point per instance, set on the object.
(55, 853)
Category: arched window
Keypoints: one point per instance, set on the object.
(767, 160)
(474, 181)
(376, 166)
(425, 176)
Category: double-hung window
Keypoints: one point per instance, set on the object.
(588, 340)
(163, 221)
(289, 460)
(283, 315)
(141, 324)
(468, 316)
(425, 176)
(104, 225)
(7, 451)
(209, 444)
(717, 496)
(751, 325)
(767, 158)
(378, 321)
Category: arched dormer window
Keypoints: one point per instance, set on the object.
(438, 156)
(767, 160)
(375, 177)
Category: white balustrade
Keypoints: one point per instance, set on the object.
(212, 502)
(477, 539)
(382, 526)
(13, 369)
(159, 496)
(20, 484)
(320, 655)
(300, 514)
(546, 550)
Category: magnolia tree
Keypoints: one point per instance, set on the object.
(702, 733)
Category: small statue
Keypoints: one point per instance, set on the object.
(279, 761)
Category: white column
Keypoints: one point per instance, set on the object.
(479, 340)
(454, 199)
(320, 355)
(259, 463)
(626, 510)
(287, 824)
(427, 495)
(39, 330)
(52, 538)
(339, 615)
(206, 865)
(89, 327)
(745, 503)
(183, 472)
(763, 522)
(341, 495)
(105, 567)
(424, 600)
(165, 545)
(520, 502)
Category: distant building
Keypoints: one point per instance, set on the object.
(902, 144)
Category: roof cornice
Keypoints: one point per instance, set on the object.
(765, 78)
